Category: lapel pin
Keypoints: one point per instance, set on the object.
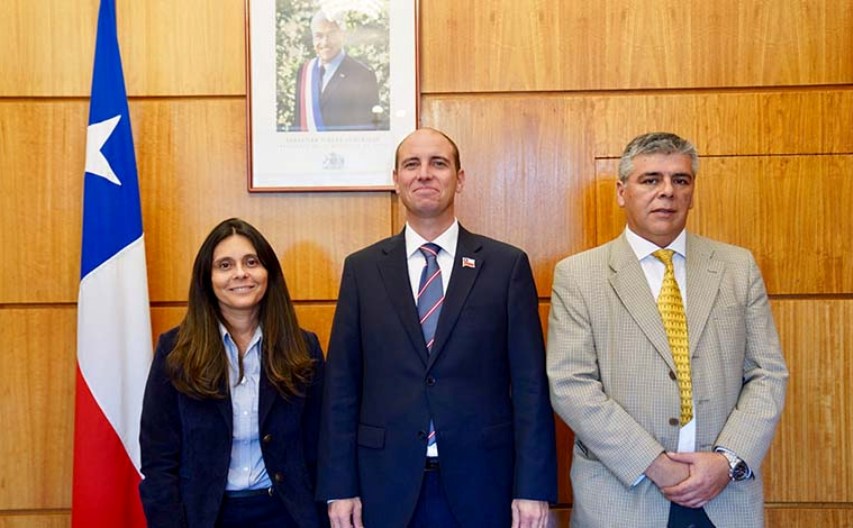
(469, 263)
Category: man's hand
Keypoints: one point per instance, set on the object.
(529, 513)
(345, 513)
(709, 475)
(666, 472)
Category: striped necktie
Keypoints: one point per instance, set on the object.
(671, 310)
(430, 299)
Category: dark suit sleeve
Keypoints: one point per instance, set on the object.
(535, 456)
(311, 417)
(313, 399)
(348, 100)
(160, 442)
(367, 97)
(338, 470)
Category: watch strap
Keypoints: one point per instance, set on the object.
(738, 468)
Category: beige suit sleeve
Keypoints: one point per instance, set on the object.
(608, 433)
(751, 425)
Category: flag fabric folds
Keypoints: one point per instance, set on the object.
(113, 317)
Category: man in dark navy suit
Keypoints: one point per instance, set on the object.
(333, 90)
(436, 410)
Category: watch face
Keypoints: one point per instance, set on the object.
(739, 471)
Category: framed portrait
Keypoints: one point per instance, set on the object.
(332, 89)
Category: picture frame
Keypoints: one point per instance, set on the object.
(332, 88)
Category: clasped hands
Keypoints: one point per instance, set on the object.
(690, 479)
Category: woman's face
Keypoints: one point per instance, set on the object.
(239, 279)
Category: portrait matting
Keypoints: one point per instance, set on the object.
(332, 89)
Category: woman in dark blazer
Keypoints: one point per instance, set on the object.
(231, 410)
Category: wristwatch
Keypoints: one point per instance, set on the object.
(738, 470)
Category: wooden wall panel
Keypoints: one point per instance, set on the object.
(811, 459)
(37, 406)
(804, 517)
(791, 211)
(317, 317)
(36, 520)
(164, 318)
(191, 47)
(625, 44)
(731, 123)
(540, 193)
(168, 48)
(42, 157)
(184, 48)
(48, 47)
(526, 171)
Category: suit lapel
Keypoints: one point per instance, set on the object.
(393, 267)
(224, 406)
(266, 397)
(461, 281)
(630, 284)
(704, 274)
(338, 77)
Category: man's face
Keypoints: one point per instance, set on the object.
(328, 40)
(426, 178)
(657, 196)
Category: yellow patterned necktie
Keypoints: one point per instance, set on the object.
(675, 323)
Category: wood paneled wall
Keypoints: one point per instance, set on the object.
(541, 97)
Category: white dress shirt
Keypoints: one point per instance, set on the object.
(246, 469)
(654, 270)
(416, 261)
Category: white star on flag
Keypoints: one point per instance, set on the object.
(96, 136)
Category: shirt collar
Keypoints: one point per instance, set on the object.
(643, 248)
(446, 241)
(231, 346)
(335, 62)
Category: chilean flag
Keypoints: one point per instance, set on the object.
(113, 317)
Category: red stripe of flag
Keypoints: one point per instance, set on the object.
(100, 457)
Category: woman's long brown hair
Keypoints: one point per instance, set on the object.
(198, 366)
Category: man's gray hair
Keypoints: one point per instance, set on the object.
(656, 143)
(336, 17)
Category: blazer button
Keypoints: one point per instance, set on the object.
(672, 376)
(430, 381)
(422, 435)
(267, 438)
(673, 421)
(278, 477)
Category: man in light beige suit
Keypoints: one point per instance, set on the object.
(640, 459)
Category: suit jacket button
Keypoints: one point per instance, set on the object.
(278, 477)
(430, 381)
(422, 435)
(672, 376)
(673, 421)
(267, 438)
